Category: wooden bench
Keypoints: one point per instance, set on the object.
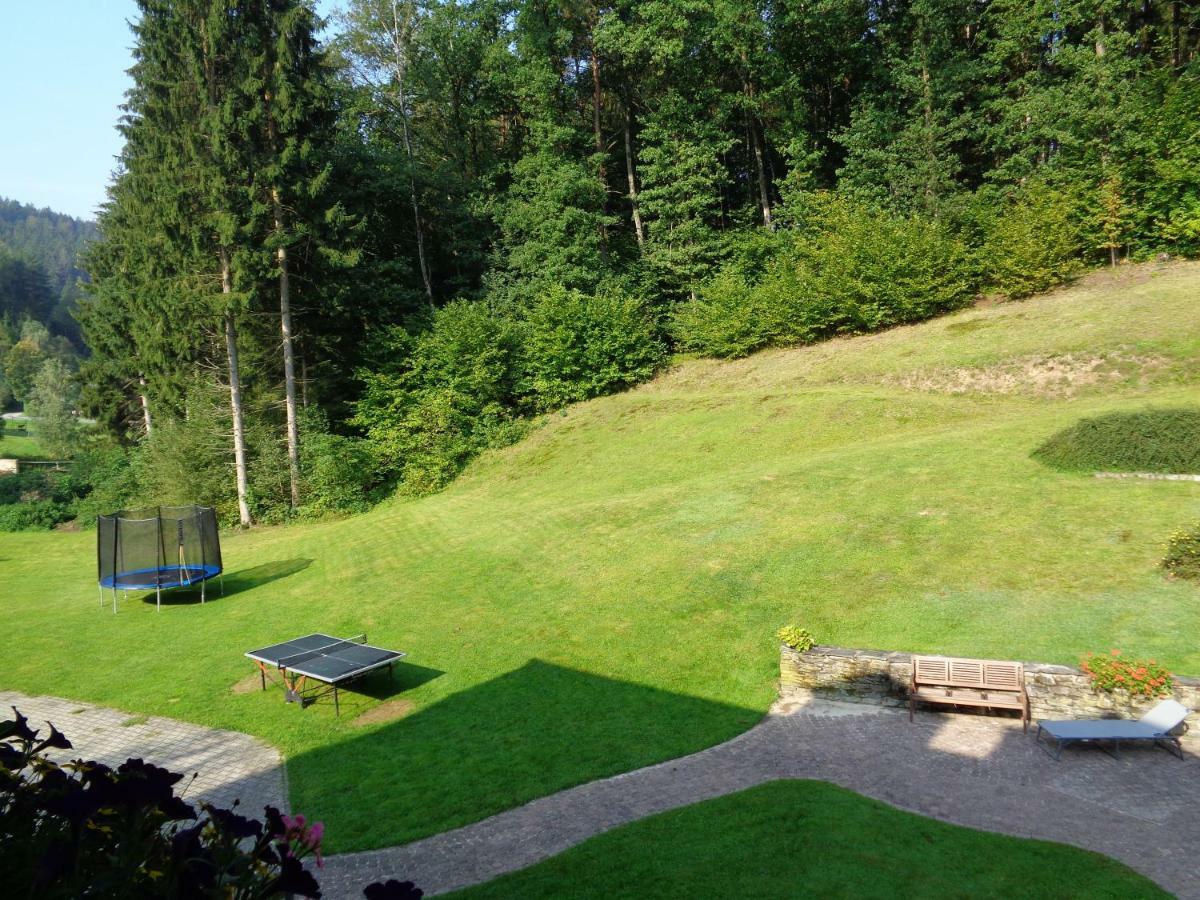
(968, 682)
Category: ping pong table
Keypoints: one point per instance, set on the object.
(327, 661)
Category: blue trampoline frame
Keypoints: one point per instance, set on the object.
(165, 577)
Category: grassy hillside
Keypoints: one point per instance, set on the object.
(604, 594)
(18, 443)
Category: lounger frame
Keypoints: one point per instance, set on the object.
(1166, 741)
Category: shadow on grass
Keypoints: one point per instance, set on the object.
(493, 746)
(219, 587)
(232, 583)
(257, 576)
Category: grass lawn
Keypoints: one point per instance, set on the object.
(18, 443)
(807, 838)
(604, 594)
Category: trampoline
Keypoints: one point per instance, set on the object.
(157, 549)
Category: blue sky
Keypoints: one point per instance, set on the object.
(62, 64)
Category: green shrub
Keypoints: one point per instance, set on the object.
(1182, 558)
(457, 388)
(852, 269)
(796, 637)
(1150, 440)
(33, 515)
(440, 434)
(187, 460)
(1032, 243)
(337, 470)
(727, 319)
(32, 484)
(868, 269)
(103, 479)
(1110, 672)
(471, 349)
(579, 346)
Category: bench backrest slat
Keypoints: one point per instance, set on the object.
(931, 670)
(968, 673)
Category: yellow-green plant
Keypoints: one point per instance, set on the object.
(796, 637)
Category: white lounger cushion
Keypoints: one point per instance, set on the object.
(1165, 716)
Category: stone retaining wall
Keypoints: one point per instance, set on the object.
(881, 678)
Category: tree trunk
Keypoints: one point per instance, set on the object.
(764, 196)
(1176, 56)
(400, 70)
(289, 364)
(597, 133)
(598, 136)
(235, 398)
(416, 206)
(303, 380)
(756, 141)
(145, 405)
(632, 179)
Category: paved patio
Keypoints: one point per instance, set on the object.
(1143, 809)
(228, 765)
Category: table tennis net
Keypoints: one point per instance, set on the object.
(287, 662)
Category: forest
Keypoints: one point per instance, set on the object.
(342, 259)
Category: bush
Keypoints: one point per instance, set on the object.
(32, 484)
(1150, 440)
(444, 430)
(579, 346)
(337, 470)
(186, 459)
(728, 318)
(1032, 243)
(796, 637)
(33, 515)
(1182, 558)
(103, 480)
(852, 269)
(84, 829)
(457, 394)
(1109, 672)
(868, 269)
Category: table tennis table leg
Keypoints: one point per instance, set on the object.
(336, 708)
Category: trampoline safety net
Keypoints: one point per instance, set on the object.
(158, 548)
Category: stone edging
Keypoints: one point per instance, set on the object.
(881, 678)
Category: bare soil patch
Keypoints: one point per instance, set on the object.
(388, 711)
(1062, 375)
(247, 685)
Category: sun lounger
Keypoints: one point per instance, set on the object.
(1157, 725)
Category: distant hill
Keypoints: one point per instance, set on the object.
(33, 239)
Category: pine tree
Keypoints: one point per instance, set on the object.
(681, 178)
(294, 168)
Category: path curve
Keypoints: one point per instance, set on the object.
(1143, 809)
(229, 765)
